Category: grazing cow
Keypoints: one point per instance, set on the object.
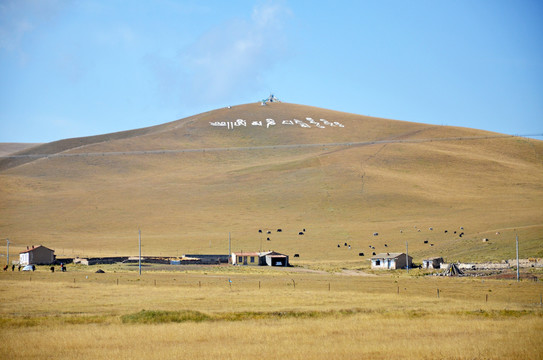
(338, 245)
(279, 230)
(430, 228)
(6, 268)
(300, 233)
(296, 255)
(375, 234)
(345, 244)
(303, 230)
(268, 239)
(446, 231)
(461, 234)
(461, 228)
(386, 245)
(455, 232)
(374, 253)
(431, 244)
(426, 241)
(369, 246)
(418, 230)
(373, 247)
(260, 231)
(360, 254)
(269, 231)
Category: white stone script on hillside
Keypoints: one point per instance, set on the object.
(308, 123)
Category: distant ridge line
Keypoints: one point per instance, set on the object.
(263, 147)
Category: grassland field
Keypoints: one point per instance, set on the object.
(329, 305)
(207, 312)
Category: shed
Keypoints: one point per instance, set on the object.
(37, 255)
(432, 263)
(268, 258)
(391, 261)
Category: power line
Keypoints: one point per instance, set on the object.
(263, 147)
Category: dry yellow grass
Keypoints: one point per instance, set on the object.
(50, 316)
(189, 202)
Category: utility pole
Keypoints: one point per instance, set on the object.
(139, 232)
(407, 255)
(518, 263)
(229, 245)
(7, 261)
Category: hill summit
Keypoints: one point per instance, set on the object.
(342, 177)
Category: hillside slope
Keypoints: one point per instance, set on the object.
(341, 177)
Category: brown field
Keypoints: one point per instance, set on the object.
(189, 202)
(279, 313)
(89, 196)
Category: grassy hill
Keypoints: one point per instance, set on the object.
(188, 184)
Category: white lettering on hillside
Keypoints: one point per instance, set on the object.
(307, 124)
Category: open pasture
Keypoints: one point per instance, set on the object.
(276, 313)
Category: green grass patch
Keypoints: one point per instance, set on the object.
(160, 317)
(505, 313)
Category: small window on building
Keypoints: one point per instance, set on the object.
(252, 259)
(240, 259)
(377, 262)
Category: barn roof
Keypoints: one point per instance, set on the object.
(264, 253)
(433, 258)
(246, 254)
(388, 256)
(35, 248)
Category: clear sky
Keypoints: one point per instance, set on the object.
(87, 67)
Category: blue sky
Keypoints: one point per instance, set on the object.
(80, 68)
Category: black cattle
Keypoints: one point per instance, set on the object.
(345, 244)
(375, 234)
(296, 255)
(279, 230)
(338, 245)
(446, 231)
(300, 233)
(386, 245)
(268, 239)
(374, 253)
(260, 231)
(269, 232)
(360, 254)
(426, 241)
(303, 230)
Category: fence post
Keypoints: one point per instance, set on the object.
(438, 293)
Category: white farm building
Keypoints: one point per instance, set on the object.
(391, 261)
